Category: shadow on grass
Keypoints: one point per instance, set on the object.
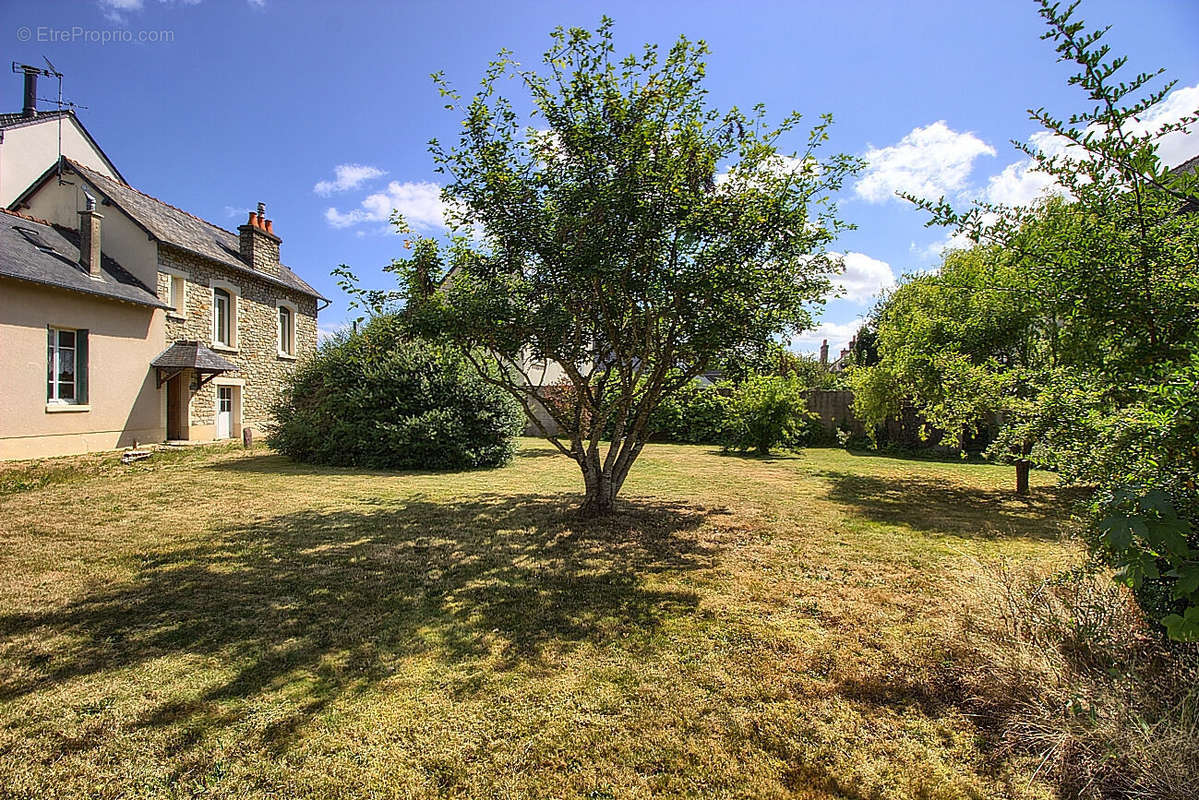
(329, 602)
(930, 505)
(774, 456)
(275, 464)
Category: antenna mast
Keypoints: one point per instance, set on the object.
(50, 71)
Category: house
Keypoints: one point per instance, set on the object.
(125, 319)
(30, 139)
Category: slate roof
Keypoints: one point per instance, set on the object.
(184, 354)
(17, 118)
(33, 250)
(174, 226)
(1191, 165)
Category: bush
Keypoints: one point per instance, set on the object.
(768, 412)
(376, 399)
(696, 414)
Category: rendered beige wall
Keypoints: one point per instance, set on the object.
(124, 402)
(120, 238)
(29, 150)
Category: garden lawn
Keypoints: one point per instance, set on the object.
(230, 624)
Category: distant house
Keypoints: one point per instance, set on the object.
(123, 318)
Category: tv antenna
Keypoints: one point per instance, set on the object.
(50, 71)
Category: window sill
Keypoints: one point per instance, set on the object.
(176, 315)
(223, 348)
(285, 356)
(58, 408)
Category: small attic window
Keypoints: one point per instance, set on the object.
(35, 238)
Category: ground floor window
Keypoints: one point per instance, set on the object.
(66, 365)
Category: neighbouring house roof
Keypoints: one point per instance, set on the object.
(17, 119)
(36, 251)
(192, 355)
(174, 226)
(1190, 165)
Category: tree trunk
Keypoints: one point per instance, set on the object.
(602, 487)
(601, 492)
(1022, 469)
(1023, 466)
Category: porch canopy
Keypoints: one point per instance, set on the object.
(191, 355)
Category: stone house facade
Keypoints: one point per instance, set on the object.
(220, 323)
(263, 364)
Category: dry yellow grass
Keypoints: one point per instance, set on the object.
(235, 625)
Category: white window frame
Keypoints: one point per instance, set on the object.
(234, 313)
(288, 352)
(53, 371)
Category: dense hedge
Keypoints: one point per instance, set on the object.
(698, 413)
(759, 413)
(377, 399)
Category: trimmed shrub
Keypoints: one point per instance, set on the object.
(377, 399)
(768, 412)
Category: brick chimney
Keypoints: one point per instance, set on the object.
(824, 352)
(89, 238)
(258, 243)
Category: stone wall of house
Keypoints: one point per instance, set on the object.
(262, 369)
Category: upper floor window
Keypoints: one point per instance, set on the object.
(178, 299)
(287, 331)
(222, 317)
(66, 366)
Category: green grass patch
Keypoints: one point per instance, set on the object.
(232, 624)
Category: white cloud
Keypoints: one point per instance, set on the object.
(1183, 145)
(1019, 184)
(346, 177)
(419, 201)
(864, 277)
(838, 335)
(115, 10)
(928, 162)
(257, 3)
(326, 331)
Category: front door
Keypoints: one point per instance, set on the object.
(177, 408)
(224, 412)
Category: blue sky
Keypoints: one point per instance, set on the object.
(250, 100)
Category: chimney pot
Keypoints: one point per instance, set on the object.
(258, 243)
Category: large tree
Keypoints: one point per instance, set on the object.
(1107, 276)
(621, 235)
(966, 347)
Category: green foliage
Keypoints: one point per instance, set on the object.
(377, 399)
(625, 231)
(959, 345)
(697, 413)
(1079, 325)
(769, 411)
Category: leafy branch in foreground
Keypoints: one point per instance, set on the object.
(1105, 276)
